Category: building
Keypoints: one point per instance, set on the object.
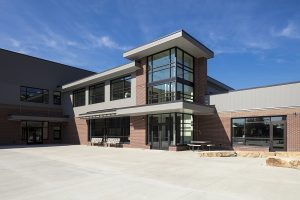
(30, 103)
(163, 99)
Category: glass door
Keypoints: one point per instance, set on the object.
(34, 135)
(160, 128)
(277, 136)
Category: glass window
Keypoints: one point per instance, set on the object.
(34, 95)
(120, 88)
(79, 97)
(56, 132)
(185, 92)
(161, 59)
(57, 97)
(161, 93)
(118, 127)
(96, 93)
(253, 130)
(188, 61)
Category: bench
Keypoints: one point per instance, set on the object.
(113, 141)
(192, 146)
(97, 141)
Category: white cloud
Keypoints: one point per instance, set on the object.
(106, 41)
(259, 45)
(290, 31)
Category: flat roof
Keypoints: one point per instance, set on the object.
(259, 87)
(102, 76)
(179, 38)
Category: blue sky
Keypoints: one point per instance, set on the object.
(255, 42)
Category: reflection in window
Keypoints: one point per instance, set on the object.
(56, 132)
(120, 88)
(161, 93)
(96, 93)
(79, 97)
(118, 127)
(254, 130)
(34, 95)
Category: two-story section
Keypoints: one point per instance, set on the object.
(152, 102)
(30, 103)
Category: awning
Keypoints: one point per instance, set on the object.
(37, 118)
(96, 115)
(183, 107)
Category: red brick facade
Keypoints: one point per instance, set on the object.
(138, 136)
(76, 132)
(217, 128)
(11, 131)
(141, 83)
(200, 80)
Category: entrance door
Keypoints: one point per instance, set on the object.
(277, 136)
(161, 135)
(34, 135)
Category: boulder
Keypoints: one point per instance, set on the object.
(283, 162)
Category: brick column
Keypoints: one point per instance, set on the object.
(200, 80)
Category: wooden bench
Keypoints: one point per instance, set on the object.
(113, 141)
(97, 141)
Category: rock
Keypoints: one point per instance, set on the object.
(288, 154)
(255, 154)
(218, 154)
(283, 162)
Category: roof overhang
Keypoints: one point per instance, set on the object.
(180, 39)
(106, 75)
(37, 118)
(183, 107)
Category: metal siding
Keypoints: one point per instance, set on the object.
(259, 98)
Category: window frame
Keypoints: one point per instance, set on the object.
(45, 95)
(54, 101)
(123, 89)
(92, 97)
(76, 92)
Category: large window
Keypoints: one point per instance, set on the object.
(120, 88)
(161, 93)
(34, 95)
(96, 93)
(118, 127)
(170, 72)
(258, 131)
(79, 97)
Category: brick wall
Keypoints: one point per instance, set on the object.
(217, 128)
(11, 131)
(138, 126)
(141, 83)
(200, 81)
(76, 132)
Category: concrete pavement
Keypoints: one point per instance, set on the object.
(84, 172)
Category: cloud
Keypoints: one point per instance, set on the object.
(259, 45)
(106, 41)
(290, 31)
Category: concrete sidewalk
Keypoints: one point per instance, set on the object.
(84, 172)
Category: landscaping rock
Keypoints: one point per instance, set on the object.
(283, 162)
(218, 154)
(255, 154)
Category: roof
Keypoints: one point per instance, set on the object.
(218, 83)
(179, 38)
(102, 76)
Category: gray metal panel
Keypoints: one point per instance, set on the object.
(259, 98)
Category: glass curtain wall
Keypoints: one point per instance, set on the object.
(118, 127)
(170, 76)
(174, 128)
(259, 131)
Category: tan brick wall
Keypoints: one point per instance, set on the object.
(217, 128)
(141, 83)
(200, 81)
(138, 127)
